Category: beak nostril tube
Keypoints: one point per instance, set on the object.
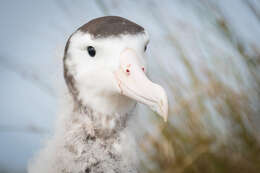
(127, 71)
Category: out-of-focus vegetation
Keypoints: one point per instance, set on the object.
(218, 132)
(196, 148)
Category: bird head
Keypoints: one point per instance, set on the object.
(105, 67)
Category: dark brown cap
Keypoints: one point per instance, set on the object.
(111, 26)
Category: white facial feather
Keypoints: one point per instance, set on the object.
(94, 76)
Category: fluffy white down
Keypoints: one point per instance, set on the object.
(72, 150)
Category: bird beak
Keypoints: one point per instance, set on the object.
(134, 84)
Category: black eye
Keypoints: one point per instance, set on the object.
(91, 51)
(145, 47)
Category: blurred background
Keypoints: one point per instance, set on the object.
(205, 53)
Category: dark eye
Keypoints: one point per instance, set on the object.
(91, 51)
(145, 47)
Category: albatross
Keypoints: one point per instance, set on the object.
(105, 72)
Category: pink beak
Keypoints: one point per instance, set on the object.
(134, 84)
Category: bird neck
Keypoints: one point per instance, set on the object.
(102, 125)
(80, 128)
(86, 133)
(81, 119)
